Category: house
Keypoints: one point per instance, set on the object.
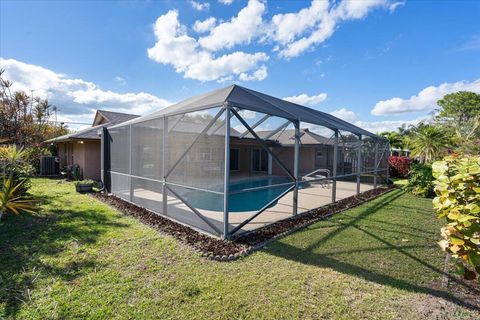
(83, 147)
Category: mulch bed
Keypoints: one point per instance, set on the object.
(224, 250)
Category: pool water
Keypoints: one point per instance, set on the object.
(245, 201)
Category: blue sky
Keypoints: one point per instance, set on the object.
(375, 63)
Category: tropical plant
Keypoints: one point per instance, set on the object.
(396, 139)
(420, 182)
(76, 172)
(12, 200)
(14, 163)
(428, 142)
(457, 187)
(460, 113)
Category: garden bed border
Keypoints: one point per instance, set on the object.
(245, 243)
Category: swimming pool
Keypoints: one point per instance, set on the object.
(238, 202)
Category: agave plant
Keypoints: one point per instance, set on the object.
(11, 199)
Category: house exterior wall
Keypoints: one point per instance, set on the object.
(65, 153)
(286, 155)
(87, 155)
(79, 155)
(62, 153)
(308, 161)
(91, 162)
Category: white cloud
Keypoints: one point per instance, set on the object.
(425, 100)
(345, 114)
(76, 99)
(300, 31)
(121, 80)
(306, 100)
(355, 119)
(205, 25)
(258, 75)
(200, 6)
(373, 126)
(354, 9)
(285, 27)
(390, 125)
(472, 44)
(237, 63)
(226, 2)
(395, 5)
(175, 47)
(239, 30)
(247, 114)
(208, 58)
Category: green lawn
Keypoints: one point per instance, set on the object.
(78, 258)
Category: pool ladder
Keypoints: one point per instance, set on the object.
(313, 177)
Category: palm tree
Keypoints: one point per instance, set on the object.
(396, 139)
(428, 142)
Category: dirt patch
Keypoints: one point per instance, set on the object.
(224, 250)
(442, 306)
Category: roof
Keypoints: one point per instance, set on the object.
(249, 99)
(193, 127)
(287, 137)
(102, 118)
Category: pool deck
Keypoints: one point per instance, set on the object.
(309, 198)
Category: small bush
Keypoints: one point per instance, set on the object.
(421, 180)
(457, 187)
(87, 181)
(14, 164)
(399, 166)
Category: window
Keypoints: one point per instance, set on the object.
(259, 160)
(234, 159)
(204, 154)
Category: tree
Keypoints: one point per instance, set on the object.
(461, 106)
(428, 142)
(460, 113)
(24, 120)
(395, 139)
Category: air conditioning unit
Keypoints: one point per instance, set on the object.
(49, 166)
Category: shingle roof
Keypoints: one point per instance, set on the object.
(91, 133)
(249, 99)
(116, 117)
(287, 137)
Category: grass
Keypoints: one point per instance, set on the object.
(400, 181)
(78, 258)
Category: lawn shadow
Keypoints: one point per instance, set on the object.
(29, 241)
(324, 247)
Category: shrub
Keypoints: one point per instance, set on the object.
(14, 164)
(86, 181)
(421, 182)
(457, 187)
(399, 166)
(11, 198)
(76, 172)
